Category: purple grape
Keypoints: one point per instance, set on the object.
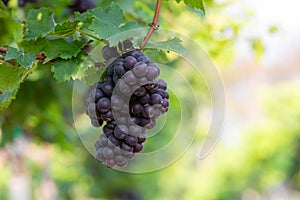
(140, 69)
(130, 78)
(140, 91)
(126, 147)
(138, 148)
(131, 140)
(136, 108)
(145, 99)
(103, 105)
(156, 99)
(107, 89)
(119, 70)
(108, 152)
(130, 61)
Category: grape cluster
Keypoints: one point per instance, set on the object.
(128, 101)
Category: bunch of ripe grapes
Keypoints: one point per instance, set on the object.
(126, 103)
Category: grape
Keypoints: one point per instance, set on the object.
(140, 91)
(165, 103)
(114, 140)
(109, 52)
(142, 139)
(108, 116)
(102, 140)
(108, 152)
(130, 61)
(145, 99)
(107, 88)
(110, 163)
(148, 111)
(152, 72)
(156, 99)
(131, 140)
(136, 108)
(119, 70)
(120, 160)
(103, 105)
(130, 78)
(138, 147)
(116, 102)
(100, 157)
(120, 133)
(140, 69)
(151, 124)
(143, 81)
(124, 88)
(107, 131)
(162, 84)
(144, 122)
(135, 130)
(126, 147)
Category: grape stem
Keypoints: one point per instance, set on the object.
(153, 25)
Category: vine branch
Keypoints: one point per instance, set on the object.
(153, 25)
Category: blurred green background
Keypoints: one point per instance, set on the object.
(255, 47)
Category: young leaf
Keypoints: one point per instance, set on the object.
(24, 59)
(39, 22)
(169, 45)
(65, 69)
(10, 76)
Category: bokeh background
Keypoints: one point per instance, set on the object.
(255, 46)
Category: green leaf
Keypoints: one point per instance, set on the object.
(108, 22)
(169, 45)
(24, 59)
(199, 4)
(60, 48)
(64, 70)
(10, 77)
(7, 98)
(39, 22)
(67, 28)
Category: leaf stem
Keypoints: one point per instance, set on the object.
(154, 25)
(90, 35)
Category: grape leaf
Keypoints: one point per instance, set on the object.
(60, 48)
(67, 28)
(65, 69)
(10, 76)
(24, 59)
(7, 98)
(108, 22)
(39, 22)
(169, 45)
